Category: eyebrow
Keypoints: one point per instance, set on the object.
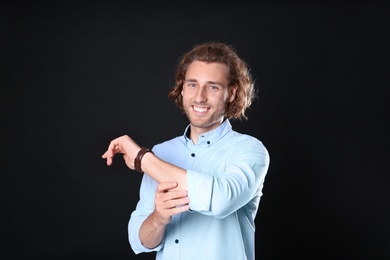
(208, 82)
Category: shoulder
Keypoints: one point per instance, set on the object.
(244, 143)
(237, 138)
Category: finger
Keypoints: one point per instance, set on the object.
(109, 161)
(168, 201)
(175, 194)
(178, 210)
(178, 202)
(107, 156)
(112, 147)
(170, 208)
(164, 186)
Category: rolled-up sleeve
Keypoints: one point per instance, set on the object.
(232, 185)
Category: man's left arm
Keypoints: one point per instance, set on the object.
(220, 194)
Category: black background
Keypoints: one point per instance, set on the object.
(75, 75)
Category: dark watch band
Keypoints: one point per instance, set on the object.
(137, 160)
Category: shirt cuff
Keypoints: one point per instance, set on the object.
(199, 190)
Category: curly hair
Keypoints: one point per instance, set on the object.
(238, 72)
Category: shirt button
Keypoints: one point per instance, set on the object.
(193, 155)
(208, 142)
(177, 241)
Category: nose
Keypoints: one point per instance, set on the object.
(201, 95)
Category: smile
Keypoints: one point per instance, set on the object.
(200, 109)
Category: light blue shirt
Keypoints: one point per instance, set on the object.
(225, 176)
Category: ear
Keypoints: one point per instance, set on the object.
(232, 93)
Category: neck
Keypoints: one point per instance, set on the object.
(195, 132)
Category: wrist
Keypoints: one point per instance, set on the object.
(138, 158)
(157, 221)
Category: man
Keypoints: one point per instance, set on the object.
(200, 192)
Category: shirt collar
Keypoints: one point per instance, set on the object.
(211, 136)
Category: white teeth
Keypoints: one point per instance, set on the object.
(200, 109)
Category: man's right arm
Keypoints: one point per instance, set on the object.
(168, 202)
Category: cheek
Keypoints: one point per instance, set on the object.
(184, 98)
(186, 95)
(220, 102)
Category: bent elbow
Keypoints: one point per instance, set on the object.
(221, 212)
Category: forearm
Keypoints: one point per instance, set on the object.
(151, 232)
(162, 171)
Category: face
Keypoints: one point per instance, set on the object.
(206, 94)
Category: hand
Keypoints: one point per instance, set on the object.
(124, 145)
(169, 202)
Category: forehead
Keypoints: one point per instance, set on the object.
(214, 71)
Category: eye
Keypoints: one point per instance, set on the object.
(191, 85)
(213, 88)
